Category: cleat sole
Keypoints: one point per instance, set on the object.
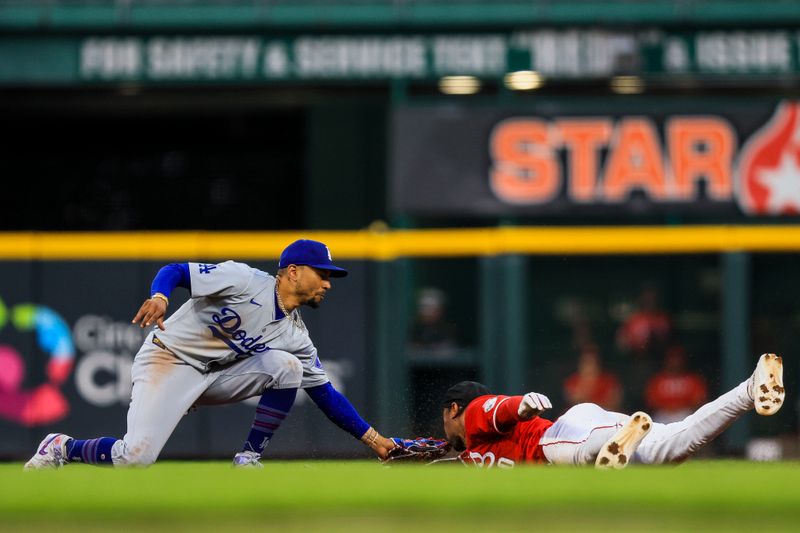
(616, 452)
(768, 381)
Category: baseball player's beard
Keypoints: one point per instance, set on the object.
(457, 443)
(313, 302)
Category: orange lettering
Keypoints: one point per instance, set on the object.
(635, 162)
(583, 137)
(524, 169)
(701, 148)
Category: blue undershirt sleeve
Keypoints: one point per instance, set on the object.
(338, 409)
(171, 276)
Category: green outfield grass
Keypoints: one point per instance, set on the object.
(365, 496)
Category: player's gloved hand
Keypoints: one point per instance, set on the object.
(417, 450)
(532, 405)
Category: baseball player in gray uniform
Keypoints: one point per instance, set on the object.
(240, 335)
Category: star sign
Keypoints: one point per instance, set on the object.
(783, 183)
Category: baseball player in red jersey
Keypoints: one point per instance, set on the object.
(497, 430)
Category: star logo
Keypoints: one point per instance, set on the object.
(768, 173)
(783, 183)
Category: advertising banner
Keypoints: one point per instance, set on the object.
(67, 345)
(555, 53)
(724, 158)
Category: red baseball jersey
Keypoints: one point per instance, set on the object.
(496, 436)
(676, 392)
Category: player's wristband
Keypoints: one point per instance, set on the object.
(370, 437)
(160, 296)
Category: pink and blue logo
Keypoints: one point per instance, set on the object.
(43, 403)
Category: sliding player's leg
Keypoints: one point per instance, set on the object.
(674, 443)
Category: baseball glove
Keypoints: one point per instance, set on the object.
(421, 450)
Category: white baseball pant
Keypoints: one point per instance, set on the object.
(165, 388)
(578, 435)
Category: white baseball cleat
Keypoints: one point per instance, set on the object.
(247, 460)
(766, 385)
(617, 451)
(52, 453)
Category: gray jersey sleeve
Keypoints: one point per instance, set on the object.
(223, 279)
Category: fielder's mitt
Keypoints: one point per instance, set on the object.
(418, 450)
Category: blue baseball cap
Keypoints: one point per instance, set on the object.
(310, 253)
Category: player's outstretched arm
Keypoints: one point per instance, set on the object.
(154, 309)
(511, 410)
(341, 412)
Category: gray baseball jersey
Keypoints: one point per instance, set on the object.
(231, 316)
